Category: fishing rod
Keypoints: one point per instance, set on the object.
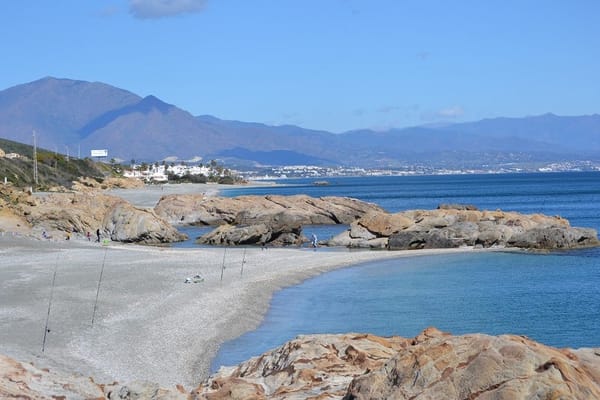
(243, 262)
(46, 330)
(98, 289)
(223, 266)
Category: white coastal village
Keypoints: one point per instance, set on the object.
(160, 173)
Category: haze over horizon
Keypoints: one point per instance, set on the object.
(336, 66)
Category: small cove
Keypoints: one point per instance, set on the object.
(552, 298)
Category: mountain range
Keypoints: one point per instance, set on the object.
(78, 116)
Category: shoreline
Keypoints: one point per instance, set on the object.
(148, 196)
(146, 316)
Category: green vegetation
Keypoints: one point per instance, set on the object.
(187, 178)
(53, 169)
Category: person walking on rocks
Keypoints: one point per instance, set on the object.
(98, 235)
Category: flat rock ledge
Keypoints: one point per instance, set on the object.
(433, 365)
(458, 226)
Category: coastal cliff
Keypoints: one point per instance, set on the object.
(433, 365)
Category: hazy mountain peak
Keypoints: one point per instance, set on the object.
(150, 103)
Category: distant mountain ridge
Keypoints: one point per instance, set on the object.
(91, 115)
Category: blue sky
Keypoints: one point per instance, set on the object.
(334, 65)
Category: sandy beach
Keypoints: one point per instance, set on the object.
(148, 324)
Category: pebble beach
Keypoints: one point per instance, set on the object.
(125, 312)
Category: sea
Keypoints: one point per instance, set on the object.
(553, 298)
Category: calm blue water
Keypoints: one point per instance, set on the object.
(552, 298)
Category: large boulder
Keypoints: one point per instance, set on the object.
(555, 238)
(384, 224)
(414, 240)
(279, 230)
(125, 223)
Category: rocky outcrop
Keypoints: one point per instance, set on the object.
(322, 366)
(453, 226)
(12, 218)
(277, 230)
(79, 213)
(439, 366)
(433, 365)
(125, 223)
(249, 210)
(260, 220)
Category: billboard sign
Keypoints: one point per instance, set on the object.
(99, 153)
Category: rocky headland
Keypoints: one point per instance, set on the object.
(433, 365)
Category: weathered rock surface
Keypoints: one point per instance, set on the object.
(433, 365)
(260, 220)
(278, 230)
(126, 223)
(58, 213)
(439, 366)
(249, 210)
(454, 226)
(315, 366)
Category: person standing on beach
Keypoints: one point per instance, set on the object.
(315, 242)
(98, 235)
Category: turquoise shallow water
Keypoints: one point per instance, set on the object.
(552, 298)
